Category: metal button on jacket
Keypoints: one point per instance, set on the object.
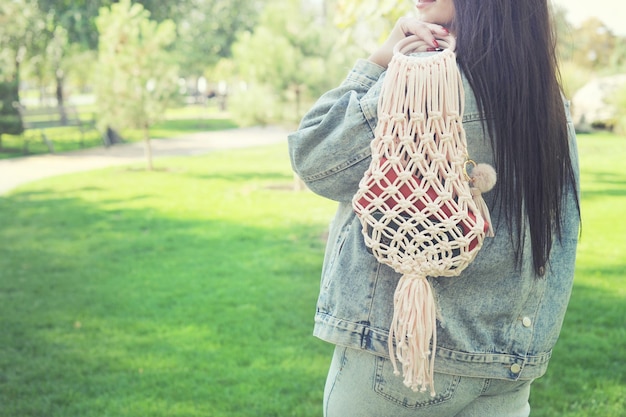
(527, 322)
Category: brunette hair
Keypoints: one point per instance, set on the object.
(507, 50)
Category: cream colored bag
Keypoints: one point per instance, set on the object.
(420, 208)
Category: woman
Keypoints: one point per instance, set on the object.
(499, 320)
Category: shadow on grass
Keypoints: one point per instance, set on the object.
(132, 313)
(607, 184)
(587, 373)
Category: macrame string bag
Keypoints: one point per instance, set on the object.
(420, 200)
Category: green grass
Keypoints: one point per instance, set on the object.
(587, 375)
(186, 292)
(190, 291)
(178, 122)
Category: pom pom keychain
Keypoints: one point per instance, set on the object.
(483, 177)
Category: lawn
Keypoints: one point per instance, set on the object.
(190, 291)
(177, 122)
(587, 375)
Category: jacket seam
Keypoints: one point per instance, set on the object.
(361, 156)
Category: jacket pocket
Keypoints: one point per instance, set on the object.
(392, 388)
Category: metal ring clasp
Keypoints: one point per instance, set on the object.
(465, 174)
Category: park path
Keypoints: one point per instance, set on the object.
(18, 171)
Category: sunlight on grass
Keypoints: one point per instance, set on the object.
(194, 285)
(190, 291)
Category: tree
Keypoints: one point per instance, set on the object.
(594, 45)
(208, 28)
(617, 60)
(136, 75)
(618, 101)
(10, 122)
(20, 22)
(368, 22)
(587, 51)
(77, 17)
(292, 56)
(71, 34)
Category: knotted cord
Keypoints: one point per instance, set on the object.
(416, 201)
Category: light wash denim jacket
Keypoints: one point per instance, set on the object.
(496, 320)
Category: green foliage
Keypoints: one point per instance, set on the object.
(261, 103)
(617, 61)
(573, 77)
(20, 25)
(592, 46)
(269, 58)
(136, 76)
(80, 66)
(595, 44)
(618, 101)
(208, 28)
(40, 63)
(368, 22)
(298, 49)
(295, 52)
(77, 17)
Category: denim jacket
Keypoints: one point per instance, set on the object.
(496, 320)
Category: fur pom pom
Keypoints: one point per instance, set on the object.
(484, 177)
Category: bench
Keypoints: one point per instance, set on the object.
(42, 118)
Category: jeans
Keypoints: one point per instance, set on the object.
(360, 384)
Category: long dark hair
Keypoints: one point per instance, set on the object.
(507, 50)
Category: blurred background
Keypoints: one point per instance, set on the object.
(124, 64)
(189, 289)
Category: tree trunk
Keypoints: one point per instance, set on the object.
(147, 146)
(298, 99)
(59, 96)
(17, 78)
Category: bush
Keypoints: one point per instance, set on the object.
(573, 78)
(618, 100)
(256, 105)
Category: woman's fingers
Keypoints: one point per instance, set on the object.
(406, 26)
(428, 32)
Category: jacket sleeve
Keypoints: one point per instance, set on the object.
(330, 151)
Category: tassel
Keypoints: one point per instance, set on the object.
(483, 210)
(413, 329)
(483, 179)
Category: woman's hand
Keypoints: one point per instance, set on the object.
(406, 26)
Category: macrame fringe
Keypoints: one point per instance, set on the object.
(477, 196)
(413, 330)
